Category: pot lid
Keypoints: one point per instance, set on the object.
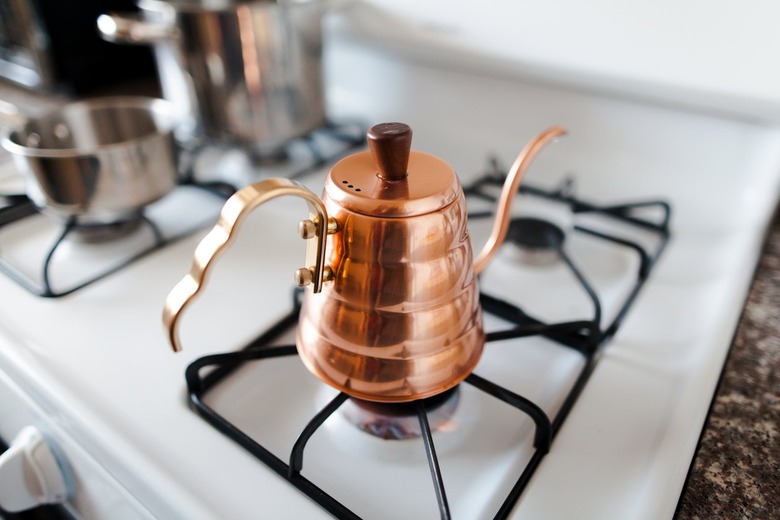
(390, 180)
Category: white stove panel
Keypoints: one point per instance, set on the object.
(98, 365)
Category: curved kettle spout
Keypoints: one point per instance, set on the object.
(501, 224)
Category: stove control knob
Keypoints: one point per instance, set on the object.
(31, 474)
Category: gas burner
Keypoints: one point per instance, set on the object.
(51, 258)
(94, 233)
(205, 161)
(536, 241)
(268, 158)
(397, 421)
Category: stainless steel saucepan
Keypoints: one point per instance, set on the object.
(100, 160)
(246, 72)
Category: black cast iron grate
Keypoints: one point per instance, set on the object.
(587, 337)
(15, 208)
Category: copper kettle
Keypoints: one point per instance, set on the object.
(394, 311)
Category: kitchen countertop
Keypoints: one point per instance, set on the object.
(736, 471)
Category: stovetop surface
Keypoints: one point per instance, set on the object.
(539, 356)
(98, 364)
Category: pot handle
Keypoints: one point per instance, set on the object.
(511, 184)
(221, 236)
(127, 28)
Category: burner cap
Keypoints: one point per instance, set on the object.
(538, 240)
(396, 421)
(535, 233)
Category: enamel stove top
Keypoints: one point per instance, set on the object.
(93, 371)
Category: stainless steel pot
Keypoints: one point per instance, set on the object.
(246, 72)
(99, 160)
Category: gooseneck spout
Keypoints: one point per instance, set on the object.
(501, 224)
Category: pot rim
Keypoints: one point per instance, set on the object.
(216, 6)
(164, 126)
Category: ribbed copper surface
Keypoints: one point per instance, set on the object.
(401, 320)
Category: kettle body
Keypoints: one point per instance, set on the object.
(400, 319)
(393, 314)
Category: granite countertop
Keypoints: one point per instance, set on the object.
(736, 471)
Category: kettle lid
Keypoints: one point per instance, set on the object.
(390, 180)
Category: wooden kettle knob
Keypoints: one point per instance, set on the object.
(390, 144)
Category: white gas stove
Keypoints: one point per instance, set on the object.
(92, 369)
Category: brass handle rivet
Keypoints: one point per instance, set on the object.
(327, 274)
(307, 229)
(333, 225)
(303, 277)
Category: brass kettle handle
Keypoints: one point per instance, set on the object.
(221, 236)
(511, 184)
